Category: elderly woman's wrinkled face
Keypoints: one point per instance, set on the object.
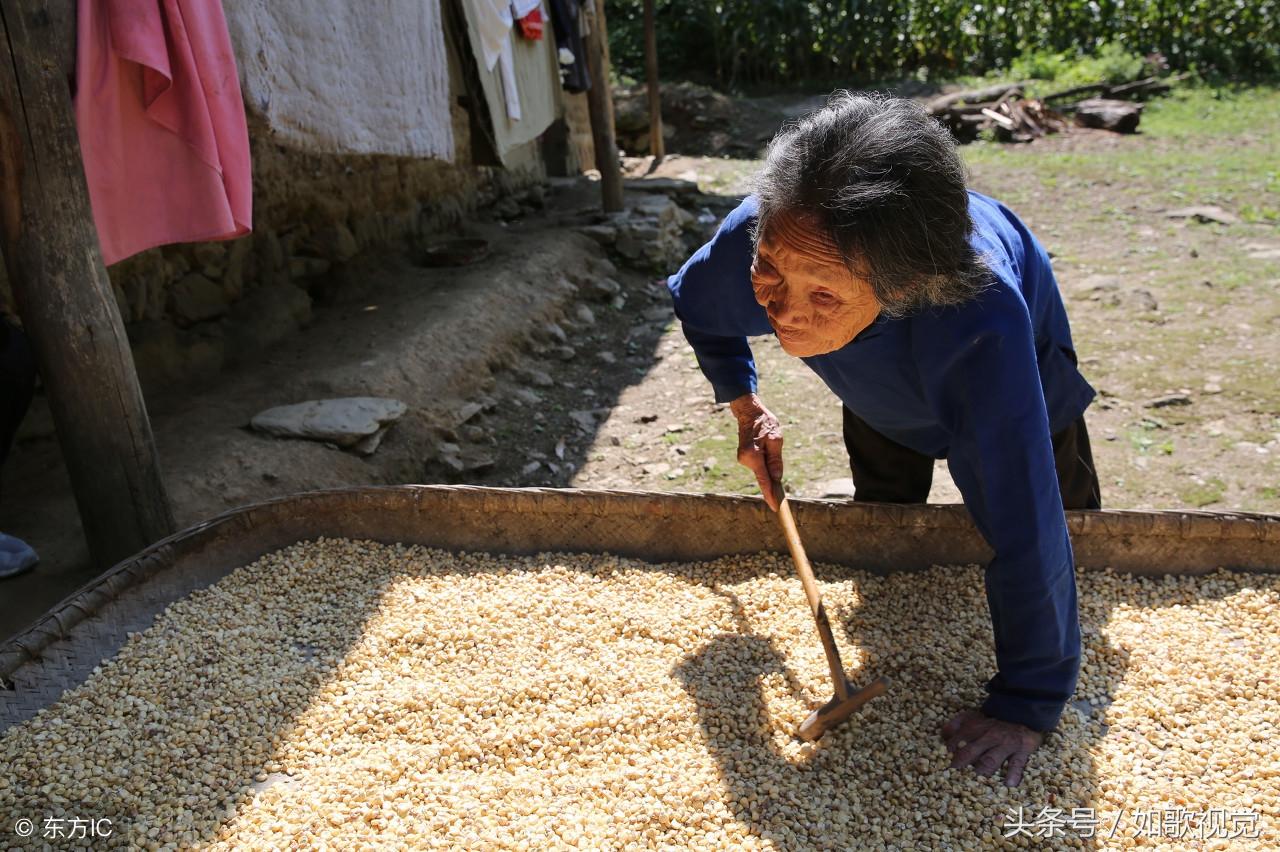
(814, 302)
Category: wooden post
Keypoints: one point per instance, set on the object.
(63, 294)
(600, 103)
(657, 147)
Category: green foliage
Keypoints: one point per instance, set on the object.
(1111, 64)
(736, 42)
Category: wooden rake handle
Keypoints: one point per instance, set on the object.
(805, 570)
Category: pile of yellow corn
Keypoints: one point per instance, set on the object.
(391, 697)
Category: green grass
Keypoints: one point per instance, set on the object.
(1204, 495)
(1212, 146)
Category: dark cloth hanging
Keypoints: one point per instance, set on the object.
(17, 381)
(566, 22)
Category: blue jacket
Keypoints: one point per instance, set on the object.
(983, 385)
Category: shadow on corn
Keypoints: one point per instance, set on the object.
(884, 776)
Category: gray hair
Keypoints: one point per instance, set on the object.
(883, 179)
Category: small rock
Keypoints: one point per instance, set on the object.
(660, 314)
(709, 464)
(646, 418)
(1204, 213)
(368, 446)
(344, 422)
(604, 235)
(673, 428)
(526, 396)
(560, 449)
(1168, 400)
(586, 420)
(195, 299)
(537, 378)
(1262, 251)
(1097, 288)
(530, 468)
(552, 331)
(466, 412)
(655, 469)
(584, 315)
(564, 353)
(468, 460)
(836, 488)
(607, 357)
(1212, 387)
(474, 433)
(615, 441)
(665, 186)
(1143, 300)
(601, 289)
(629, 245)
(211, 258)
(335, 242)
(507, 208)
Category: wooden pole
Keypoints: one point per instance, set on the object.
(657, 146)
(63, 293)
(600, 104)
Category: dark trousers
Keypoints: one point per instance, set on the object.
(884, 471)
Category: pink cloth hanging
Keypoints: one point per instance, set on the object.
(161, 124)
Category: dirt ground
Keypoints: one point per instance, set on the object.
(1176, 322)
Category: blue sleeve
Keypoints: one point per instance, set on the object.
(979, 369)
(717, 308)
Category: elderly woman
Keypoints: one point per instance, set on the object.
(932, 313)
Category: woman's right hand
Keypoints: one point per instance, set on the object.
(759, 443)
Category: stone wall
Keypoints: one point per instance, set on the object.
(192, 310)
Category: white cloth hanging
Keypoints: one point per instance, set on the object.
(341, 77)
(521, 84)
(491, 21)
(520, 8)
(507, 67)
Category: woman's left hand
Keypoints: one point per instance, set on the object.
(975, 738)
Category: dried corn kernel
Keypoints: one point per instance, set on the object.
(374, 696)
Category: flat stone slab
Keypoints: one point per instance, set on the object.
(344, 422)
(666, 186)
(1204, 213)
